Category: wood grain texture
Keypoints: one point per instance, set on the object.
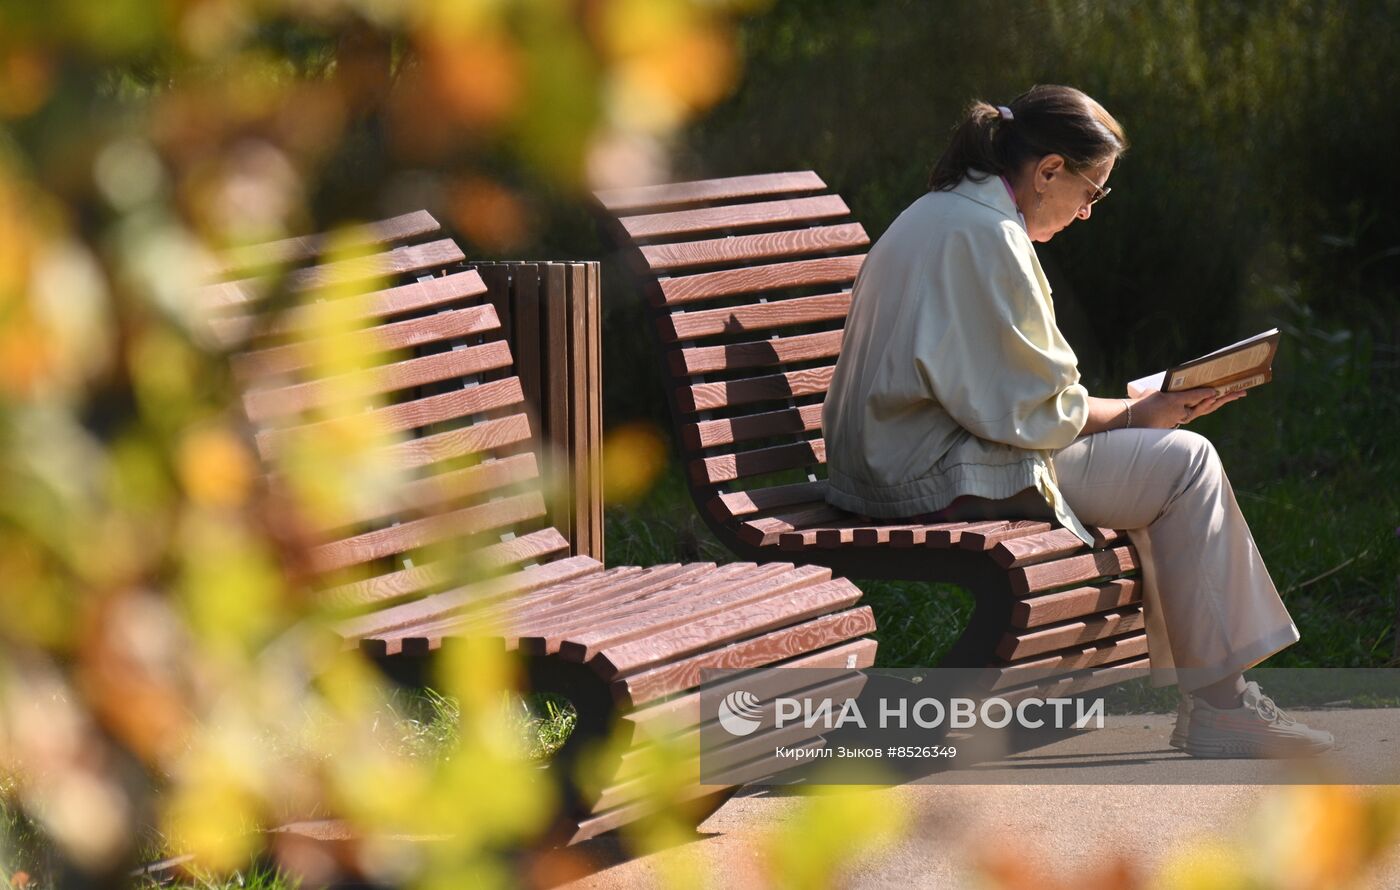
(293, 250)
(755, 583)
(458, 599)
(407, 582)
(451, 405)
(754, 317)
(1073, 570)
(656, 719)
(755, 354)
(1071, 633)
(764, 649)
(445, 325)
(733, 505)
(417, 296)
(728, 467)
(987, 539)
(751, 248)
(478, 439)
(701, 191)
(734, 216)
(1041, 669)
(765, 532)
(1028, 549)
(730, 393)
(268, 404)
(937, 535)
(1051, 607)
(721, 626)
(789, 421)
(759, 279)
(417, 533)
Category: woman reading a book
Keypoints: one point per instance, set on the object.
(957, 398)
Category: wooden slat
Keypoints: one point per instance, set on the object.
(702, 191)
(989, 538)
(716, 627)
(938, 535)
(416, 580)
(877, 535)
(262, 405)
(1092, 655)
(734, 216)
(677, 676)
(1051, 607)
(1072, 633)
(416, 414)
(789, 421)
(1020, 551)
(766, 531)
(1048, 575)
(728, 467)
(398, 335)
(431, 529)
(1082, 681)
(306, 247)
(445, 488)
(542, 632)
(728, 393)
(755, 316)
(758, 279)
(825, 537)
(755, 354)
(440, 605)
(399, 261)
(478, 439)
(654, 720)
(749, 248)
(405, 298)
(756, 583)
(756, 500)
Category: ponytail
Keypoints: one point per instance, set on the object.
(1043, 120)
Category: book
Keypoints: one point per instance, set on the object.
(1243, 365)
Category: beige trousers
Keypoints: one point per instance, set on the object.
(1210, 608)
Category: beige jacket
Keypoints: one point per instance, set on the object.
(953, 378)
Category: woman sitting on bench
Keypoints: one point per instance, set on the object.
(957, 398)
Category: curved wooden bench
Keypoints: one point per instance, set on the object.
(748, 281)
(626, 645)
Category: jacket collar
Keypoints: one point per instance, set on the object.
(990, 191)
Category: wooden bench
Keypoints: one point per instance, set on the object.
(626, 645)
(748, 284)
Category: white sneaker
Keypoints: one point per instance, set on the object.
(1257, 728)
(1183, 722)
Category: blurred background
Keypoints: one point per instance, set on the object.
(142, 577)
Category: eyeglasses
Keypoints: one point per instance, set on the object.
(1099, 191)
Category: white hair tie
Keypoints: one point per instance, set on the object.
(1005, 113)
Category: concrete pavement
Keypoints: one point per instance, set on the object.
(1133, 799)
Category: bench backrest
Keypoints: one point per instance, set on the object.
(749, 282)
(436, 384)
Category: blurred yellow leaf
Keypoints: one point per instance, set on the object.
(215, 468)
(633, 455)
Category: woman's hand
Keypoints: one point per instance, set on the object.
(1165, 410)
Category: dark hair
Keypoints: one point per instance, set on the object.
(1045, 119)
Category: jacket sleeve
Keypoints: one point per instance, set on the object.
(989, 350)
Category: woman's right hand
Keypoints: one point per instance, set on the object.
(1165, 410)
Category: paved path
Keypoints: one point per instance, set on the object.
(1074, 828)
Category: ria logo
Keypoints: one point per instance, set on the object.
(740, 713)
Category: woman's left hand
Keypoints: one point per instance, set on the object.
(1165, 410)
